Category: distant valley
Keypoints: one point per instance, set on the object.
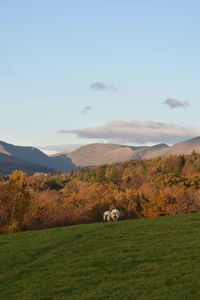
(32, 160)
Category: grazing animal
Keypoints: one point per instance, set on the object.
(107, 216)
(115, 214)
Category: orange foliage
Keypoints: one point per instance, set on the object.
(139, 189)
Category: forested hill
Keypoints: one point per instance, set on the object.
(138, 188)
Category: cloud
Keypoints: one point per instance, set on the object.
(61, 148)
(86, 109)
(173, 103)
(100, 86)
(137, 132)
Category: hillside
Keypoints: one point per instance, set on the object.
(35, 156)
(185, 147)
(99, 154)
(94, 154)
(9, 163)
(137, 259)
(139, 188)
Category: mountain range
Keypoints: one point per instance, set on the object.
(32, 160)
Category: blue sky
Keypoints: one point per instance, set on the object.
(53, 51)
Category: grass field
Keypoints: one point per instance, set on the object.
(138, 259)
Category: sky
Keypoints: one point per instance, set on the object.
(78, 72)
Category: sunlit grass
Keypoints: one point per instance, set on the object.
(138, 259)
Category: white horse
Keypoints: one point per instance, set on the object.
(107, 216)
(115, 214)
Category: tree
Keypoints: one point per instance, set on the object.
(16, 200)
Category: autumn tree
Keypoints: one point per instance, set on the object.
(15, 200)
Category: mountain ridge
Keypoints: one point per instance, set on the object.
(97, 153)
(9, 163)
(88, 155)
(109, 153)
(35, 156)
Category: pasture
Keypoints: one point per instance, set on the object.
(136, 259)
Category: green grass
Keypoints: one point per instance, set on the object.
(138, 259)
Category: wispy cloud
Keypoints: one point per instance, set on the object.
(86, 109)
(100, 86)
(137, 132)
(174, 103)
(61, 148)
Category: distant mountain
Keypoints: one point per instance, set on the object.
(185, 147)
(9, 163)
(61, 163)
(98, 154)
(33, 160)
(35, 156)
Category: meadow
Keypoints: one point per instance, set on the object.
(155, 258)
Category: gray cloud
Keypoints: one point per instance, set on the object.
(86, 109)
(100, 86)
(137, 132)
(173, 103)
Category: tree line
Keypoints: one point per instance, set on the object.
(138, 188)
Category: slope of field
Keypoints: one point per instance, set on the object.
(137, 259)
